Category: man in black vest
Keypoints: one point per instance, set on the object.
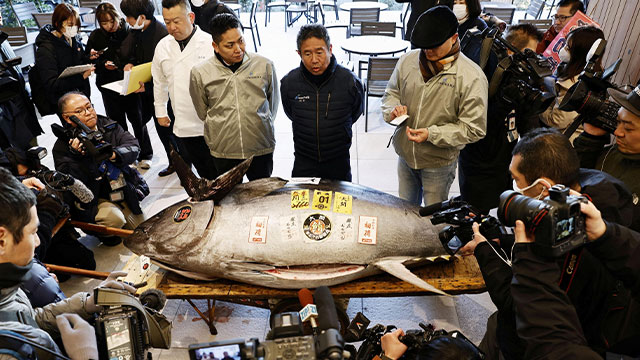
(323, 100)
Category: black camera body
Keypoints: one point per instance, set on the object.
(517, 82)
(588, 97)
(556, 221)
(125, 328)
(92, 141)
(10, 86)
(460, 232)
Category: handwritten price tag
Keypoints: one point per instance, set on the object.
(342, 203)
(300, 199)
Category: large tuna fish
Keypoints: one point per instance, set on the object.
(274, 233)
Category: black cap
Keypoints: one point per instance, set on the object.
(630, 101)
(434, 27)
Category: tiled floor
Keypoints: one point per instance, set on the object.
(373, 164)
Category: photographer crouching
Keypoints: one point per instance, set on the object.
(547, 319)
(18, 240)
(622, 159)
(542, 159)
(98, 152)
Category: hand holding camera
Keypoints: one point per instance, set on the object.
(78, 337)
(391, 345)
(110, 282)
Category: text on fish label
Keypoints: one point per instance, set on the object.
(300, 199)
(258, 231)
(368, 230)
(342, 203)
(322, 200)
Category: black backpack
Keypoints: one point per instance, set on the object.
(39, 93)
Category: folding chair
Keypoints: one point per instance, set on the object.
(379, 72)
(505, 15)
(253, 24)
(358, 16)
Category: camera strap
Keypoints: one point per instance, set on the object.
(17, 337)
(569, 269)
(574, 126)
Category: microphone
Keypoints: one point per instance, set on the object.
(447, 204)
(329, 344)
(81, 191)
(309, 311)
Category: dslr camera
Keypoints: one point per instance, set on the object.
(92, 141)
(127, 327)
(9, 85)
(556, 221)
(588, 97)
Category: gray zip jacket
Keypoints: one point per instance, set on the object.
(452, 105)
(238, 109)
(14, 300)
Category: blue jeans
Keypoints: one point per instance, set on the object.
(431, 183)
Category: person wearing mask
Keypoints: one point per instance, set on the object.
(59, 46)
(18, 239)
(543, 158)
(138, 48)
(321, 129)
(468, 14)
(566, 10)
(174, 58)
(105, 43)
(235, 94)
(444, 94)
(574, 58)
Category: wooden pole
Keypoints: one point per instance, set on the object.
(101, 229)
(75, 271)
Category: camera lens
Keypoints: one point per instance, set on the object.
(514, 206)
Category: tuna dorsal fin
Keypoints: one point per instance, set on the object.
(203, 189)
(395, 267)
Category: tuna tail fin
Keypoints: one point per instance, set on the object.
(395, 267)
(203, 189)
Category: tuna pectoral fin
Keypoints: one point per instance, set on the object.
(203, 189)
(395, 267)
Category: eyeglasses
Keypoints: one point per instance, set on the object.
(562, 17)
(81, 111)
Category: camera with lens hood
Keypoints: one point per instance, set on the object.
(556, 221)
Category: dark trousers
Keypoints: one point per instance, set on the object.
(334, 169)
(196, 150)
(261, 166)
(165, 134)
(119, 108)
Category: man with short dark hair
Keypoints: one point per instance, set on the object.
(235, 94)
(323, 100)
(566, 10)
(543, 158)
(173, 60)
(622, 159)
(444, 94)
(523, 36)
(117, 188)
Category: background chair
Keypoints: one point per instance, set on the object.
(378, 74)
(505, 15)
(42, 19)
(253, 24)
(17, 35)
(329, 3)
(270, 4)
(541, 24)
(535, 9)
(23, 12)
(404, 17)
(358, 16)
(378, 28)
(299, 8)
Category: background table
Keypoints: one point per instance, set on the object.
(363, 5)
(374, 45)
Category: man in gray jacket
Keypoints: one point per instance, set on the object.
(18, 240)
(444, 94)
(236, 94)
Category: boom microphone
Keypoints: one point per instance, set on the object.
(444, 205)
(329, 343)
(81, 191)
(309, 311)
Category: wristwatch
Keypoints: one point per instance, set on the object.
(382, 356)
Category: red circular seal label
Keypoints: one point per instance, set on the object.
(182, 214)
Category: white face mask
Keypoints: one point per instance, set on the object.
(139, 25)
(521, 191)
(71, 32)
(564, 55)
(460, 10)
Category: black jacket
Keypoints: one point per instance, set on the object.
(100, 39)
(417, 8)
(589, 287)
(595, 153)
(53, 55)
(18, 120)
(83, 167)
(322, 115)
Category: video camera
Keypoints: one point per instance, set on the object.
(462, 215)
(93, 142)
(9, 85)
(517, 82)
(286, 340)
(127, 327)
(588, 97)
(556, 221)
(415, 340)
